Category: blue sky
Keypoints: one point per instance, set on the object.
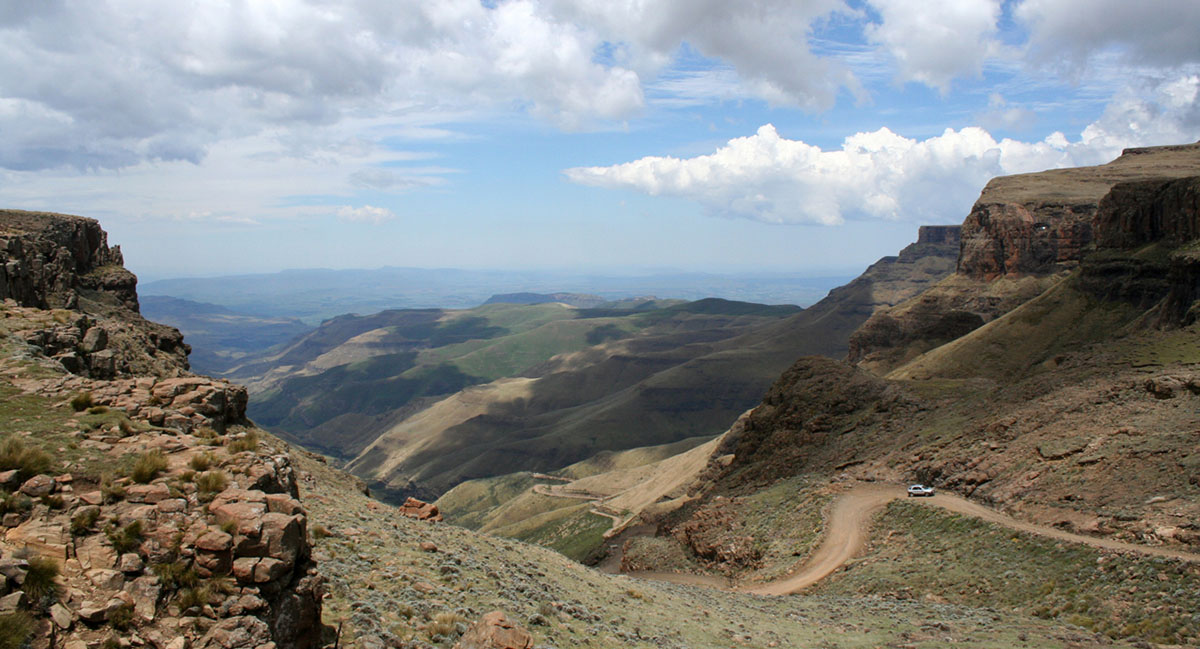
(813, 137)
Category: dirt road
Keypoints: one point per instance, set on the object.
(849, 526)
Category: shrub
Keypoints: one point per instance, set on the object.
(39, 583)
(147, 466)
(203, 461)
(15, 629)
(247, 442)
(82, 401)
(97, 410)
(27, 460)
(83, 520)
(125, 539)
(14, 502)
(176, 575)
(211, 483)
(111, 490)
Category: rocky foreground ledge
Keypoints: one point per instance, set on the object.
(138, 505)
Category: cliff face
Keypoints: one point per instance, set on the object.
(167, 516)
(47, 260)
(1028, 231)
(59, 261)
(1042, 223)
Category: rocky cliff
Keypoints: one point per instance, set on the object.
(57, 261)
(139, 506)
(1027, 231)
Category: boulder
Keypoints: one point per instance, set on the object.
(38, 486)
(495, 630)
(243, 632)
(420, 510)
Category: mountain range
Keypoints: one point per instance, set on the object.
(1043, 375)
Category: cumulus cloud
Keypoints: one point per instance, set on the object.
(936, 41)
(882, 175)
(365, 214)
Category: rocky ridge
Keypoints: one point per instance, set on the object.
(1027, 232)
(140, 507)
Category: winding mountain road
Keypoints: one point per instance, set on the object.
(849, 525)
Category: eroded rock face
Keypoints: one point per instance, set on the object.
(58, 261)
(130, 551)
(1042, 223)
(1029, 229)
(47, 259)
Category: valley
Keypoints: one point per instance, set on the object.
(733, 471)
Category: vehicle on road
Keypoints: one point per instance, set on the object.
(919, 490)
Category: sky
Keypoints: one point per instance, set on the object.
(807, 136)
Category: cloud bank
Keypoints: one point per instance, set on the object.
(881, 175)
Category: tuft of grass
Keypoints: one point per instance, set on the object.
(203, 461)
(210, 483)
(14, 502)
(82, 401)
(176, 575)
(83, 520)
(15, 630)
(125, 539)
(147, 466)
(247, 442)
(97, 410)
(40, 584)
(110, 490)
(27, 460)
(444, 625)
(121, 617)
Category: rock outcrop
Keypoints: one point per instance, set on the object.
(48, 260)
(495, 631)
(1027, 231)
(1042, 223)
(170, 520)
(61, 266)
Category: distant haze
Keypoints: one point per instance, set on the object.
(316, 294)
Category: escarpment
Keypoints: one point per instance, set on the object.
(165, 515)
(1027, 231)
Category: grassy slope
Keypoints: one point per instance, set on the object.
(382, 584)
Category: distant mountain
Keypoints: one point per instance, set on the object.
(314, 295)
(419, 400)
(220, 337)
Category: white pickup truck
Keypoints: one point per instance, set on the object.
(919, 490)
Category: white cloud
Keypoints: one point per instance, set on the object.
(881, 175)
(936, 41)
(766, 41)
(1157, 33)
(365, 214)
(145, 80)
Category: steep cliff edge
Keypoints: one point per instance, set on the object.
(58, 261)
(1027, 232)
(138, 504)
